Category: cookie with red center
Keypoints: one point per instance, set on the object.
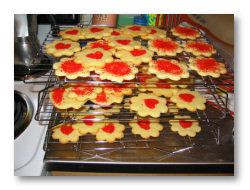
(164, 46)
(207, 66)
(136, 56)
(106, 99)
(69, 68)
(153, 33)
(191, 100)
(134, 30)
(59, 48)
(88, 123)
(123, 43)
(168, 69)
(110, 132)
(199, 48)
(184, 125)
(148, 105)
(59, 99)
(146, 128)
(93, 58)
(96, 32)
(117, 71)
(117, 89)
(73, 34)
(185, 32)
(65, 133)
(100, 44)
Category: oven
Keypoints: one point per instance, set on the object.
(210, 151)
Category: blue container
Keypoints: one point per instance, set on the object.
(140, 20)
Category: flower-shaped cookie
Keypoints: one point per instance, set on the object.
(106, 99)
(117, 71)
(73, 34)
(100, 44)
(96, 32)
(123, 42)
(88, 123)
(185, 127)
(164, 46)
(110, 132)
(59, 98)
(69, 68)
(168, 68)
(146, 128)
(148, 104)
(207, 66)
(153, 33)
(185, 32)
(62, 47)
(65, 133)
(134, 30)
(136, 56)
(199, 48)
(94, 58)
(191, 100)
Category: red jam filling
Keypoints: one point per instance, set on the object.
(96, 55)
(101, 97)
(62, 46)
(186, 31)
(185, 124)
(165, 45)
(89, 122)
(71, 67)
(95, 30)
(159, 85)
(57, 95)
(123, 42)
(168, 67)
(118, 68)
(80, 91)
(144, 124)
(109, 128)
(114, 33)
(208, 65)
(186, 97)
(135, 28)
(200, 46)
(138, 52)
(102, 45)
(72, 32)
(152, 31)
(151, 103)
(67, 129)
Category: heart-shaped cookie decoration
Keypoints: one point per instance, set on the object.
(151, 103)
(123, 42)
(186, 97)
(144, 124)
(185, 124)
(72, 32)
(67, 129)
(109, 128)
(62, 46)
(96, 55)
(138, 52)
(135, 28)
(95, 30)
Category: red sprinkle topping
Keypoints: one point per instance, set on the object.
(101, 44)
(138, 52)
(123, 42)
(67, 129)
(168, 67)
(208, 65)
(187, 97)
(89, 122)
(151, 103)
(109, 128)
(114, 33)
(186, 31)
(101, 97)
(159, 85)
(152, 31)
(118, 68)
(135, 28)
(96, 55)
(62, 46)
(165, 45)
(81, 91)
(95, 30)
(57, 95)
(71, 67)
(144, 124)
(200, 46)
(185, 124)
(72, 32)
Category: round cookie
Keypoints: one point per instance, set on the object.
(73, 34)
(185, 32)
(96, 32)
